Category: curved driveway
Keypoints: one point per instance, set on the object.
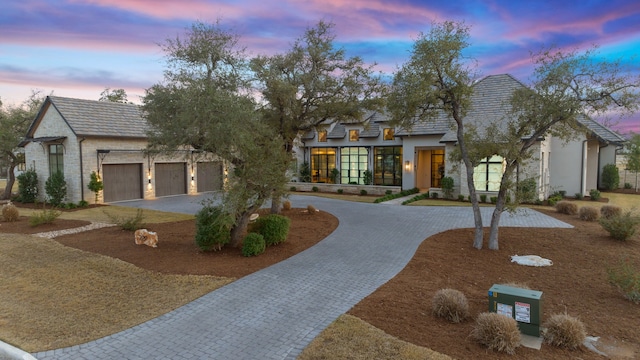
(276, 312)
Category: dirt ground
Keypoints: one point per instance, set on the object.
(576, 283)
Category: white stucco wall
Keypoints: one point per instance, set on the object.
(410, 147)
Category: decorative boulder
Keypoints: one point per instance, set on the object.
(149, 238)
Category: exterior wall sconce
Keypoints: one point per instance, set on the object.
(407, 165)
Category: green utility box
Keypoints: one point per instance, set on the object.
(525, 306)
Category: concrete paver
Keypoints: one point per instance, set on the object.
(276, 312)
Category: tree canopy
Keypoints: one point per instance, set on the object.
(114, 95)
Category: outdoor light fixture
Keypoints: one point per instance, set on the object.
(407, 165)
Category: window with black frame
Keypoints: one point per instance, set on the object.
(56, 162)
(388, 165)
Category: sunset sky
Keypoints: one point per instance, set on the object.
(77, 48)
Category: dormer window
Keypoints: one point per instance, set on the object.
(388, 133)
(322, 135)
(354, 135)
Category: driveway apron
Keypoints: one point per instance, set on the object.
(276, 312)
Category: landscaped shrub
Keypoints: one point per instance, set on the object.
(567, 207)
(579, 196)
(588, 213)
(594, 194)
(554, 198)
(273, 227)
(10, 212)
(434, 195)
(621, 227)
(390, 196)
(311, 210)
(129, 223)
(315, 189)
(253, 244)
(28, 186)
(95, 185)
(610, 177)
(70, 205)
(56, 188)
(46, 216)
(293, 188)
(340, 191)
(564, 331)
(607, 211)
(460, 197)
(83, 203)
(627, 185)
(526, 191)
(416, 198)
(305, 172)
(497, 332)
(213, 228)
(363, 192)
(494, 199)
(483, 198)
(388, 192)
(446, 183)
(286, 205)
(367, 177)
(626, 277)
(450, 304)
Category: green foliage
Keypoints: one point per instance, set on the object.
(633, 155)
(367, 177)
(363, 192)
(315, 189)
(95, 184)
(621, 227)
(460, 197)
(526, 191)
(28, 186)
(129, 223)
(340, 191)
(56, 188)
(114, 95)
(416, 198)
(10, 212)
(483, 198)
(594, 194)
(610, 177)
(434, 195)
(70, 205)
(391, 196)
(334, 175)
(293, 188)
(388, 192)
(626, 277)
(493, 199)
(554, 198)
(627, 185)
(305, 172)
(273, 227)
(253, 244)
(46, 216)
(83, 203)
(579, 196)
(213, 228)
(446, 183)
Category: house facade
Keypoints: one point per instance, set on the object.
(78, 137)
(419, 156)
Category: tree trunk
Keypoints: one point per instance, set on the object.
(276, 201)
(11, 179)
(495, 220)
(239, 229)
(477, 215)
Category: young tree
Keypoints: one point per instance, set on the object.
(314, 83)
(438, 82)
(114, 95)
(633, 156)
(14, 122)
(205, 103)
(567, 86)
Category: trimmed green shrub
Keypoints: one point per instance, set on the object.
(626, 277)
(253, 244)
(446, 183)
(494, 199)
(340, 191)
(610, 177)
(388, 192)
(363, 192)
(564, 331)
(70, 205)
(553, 199)
(10, 213)
(579, 196)
(46, 216)
(213, 228)
(56, 188)
(305, 172)
(390, 196)
(594, 194)
(315, 189)
(588, 213)
(434, 195)
(129, 223)
(83, 203)
(621, 227)
(28, 186)
(627, 185)
(450, 304)
(607, 211)
(416, 198)
(334, 175)
(526, 191)
(497, 332)
(293, 188)
(367, 177)
(273, 227)
(460, 197)
(567, 207)
(483, 198)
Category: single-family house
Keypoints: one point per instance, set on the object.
(78, 137)
(418, 156)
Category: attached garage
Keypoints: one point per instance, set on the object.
(209, 176)
(122, 182)
(171, 178)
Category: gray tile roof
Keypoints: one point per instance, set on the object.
(370, 131)
(339, 131)
(101, 118)
(602, 132)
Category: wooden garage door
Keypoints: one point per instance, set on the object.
(122, 182)
(171, 179)
(209, 176)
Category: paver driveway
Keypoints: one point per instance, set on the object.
(276, 312)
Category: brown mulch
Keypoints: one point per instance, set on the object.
(576, 283)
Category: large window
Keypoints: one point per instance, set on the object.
(388, 165)
(488, 174)
(353, 163)
(323, 160)
(437, 167)
(55, 159)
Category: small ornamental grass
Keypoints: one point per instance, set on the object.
(273, 227)
(567, 207)
(497, 332)
(626, 277)
(607, 211)
(286, 205)
(564, 331)
(129, 223)
(588, 213)
(450, 304)
(253, 244)
(311, 210)
(621, 227)
(46, 216)
(10, 212)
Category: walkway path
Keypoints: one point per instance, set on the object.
(276, 312)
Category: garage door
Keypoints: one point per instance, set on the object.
(171, 179)
(209, 176)
(122, 182)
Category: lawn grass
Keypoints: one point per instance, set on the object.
(99, 214)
